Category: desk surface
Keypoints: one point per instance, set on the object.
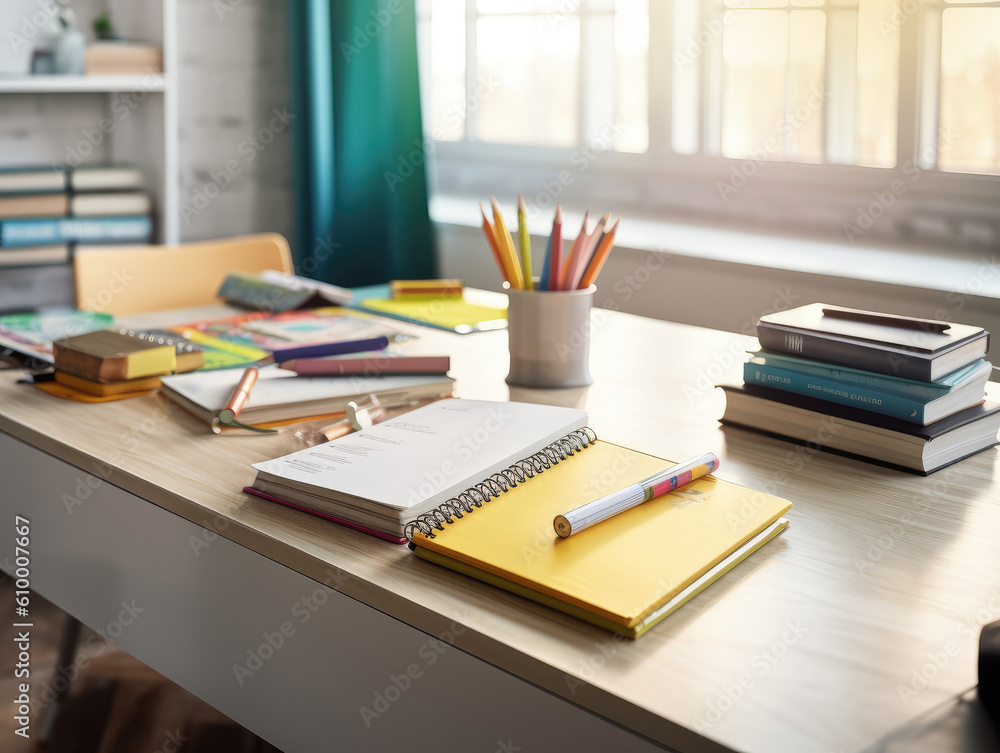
(863, 615)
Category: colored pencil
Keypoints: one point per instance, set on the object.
(524, 241)
(573, 259)
(555, 250)
(600, 256)
(543, 281)
(506, 245)
(586, 253)
(492, 241)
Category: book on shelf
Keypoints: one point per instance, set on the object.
(369, 363)
(54, 230)
(32, 179)
(862, 434)
(280, 395)
(17, 206)
(476, 486)
(887, 395)
(109, 204)
(46, 179)
(920, 349)
(110, 356)
(119, 58)
(57, 253)
(105, 178)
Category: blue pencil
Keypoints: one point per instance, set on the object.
(543, 283)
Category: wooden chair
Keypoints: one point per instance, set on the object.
(128, 279)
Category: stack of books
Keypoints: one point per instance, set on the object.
(121, 363)
(910, 393)
(120, 58)
(46, 211)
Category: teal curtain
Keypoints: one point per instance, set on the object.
(360, 178)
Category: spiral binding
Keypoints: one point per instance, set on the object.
(500, 482)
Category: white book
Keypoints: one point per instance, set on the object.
(110, 204)
(394, 471)
(105, 178)
(280, 394)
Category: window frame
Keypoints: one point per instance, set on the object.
(959, 211)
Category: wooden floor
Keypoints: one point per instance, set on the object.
(116, 704)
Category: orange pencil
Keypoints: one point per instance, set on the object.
(574, 253)
(492, 240)
(600, 256)
(505, 244)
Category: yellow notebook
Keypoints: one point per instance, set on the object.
(625, 569)
(450, 312)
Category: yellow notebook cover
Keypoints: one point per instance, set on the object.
(624, 568)
(640, 628)
(450, 312)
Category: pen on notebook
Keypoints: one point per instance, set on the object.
(584, 517)
(237, 401)
(524, 241)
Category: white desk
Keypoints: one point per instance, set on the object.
(807, 646)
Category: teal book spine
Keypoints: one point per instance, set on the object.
(921, 391)
(44, 231)
(866, 398)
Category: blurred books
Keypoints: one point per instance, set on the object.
(46, 211)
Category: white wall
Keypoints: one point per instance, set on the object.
(234, 75)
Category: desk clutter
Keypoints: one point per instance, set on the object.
(440, 304)
(520, 496)
(908, 393)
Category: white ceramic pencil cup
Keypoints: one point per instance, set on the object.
(549, 337)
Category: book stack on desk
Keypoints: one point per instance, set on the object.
(905, 392)
(108, 363)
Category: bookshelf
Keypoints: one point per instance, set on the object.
(142, 109)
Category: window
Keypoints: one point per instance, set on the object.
(783, 114)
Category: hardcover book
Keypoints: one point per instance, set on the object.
(109, 356)
(919, 349)
(861, 434)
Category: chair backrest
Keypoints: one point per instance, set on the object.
(129, 279)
